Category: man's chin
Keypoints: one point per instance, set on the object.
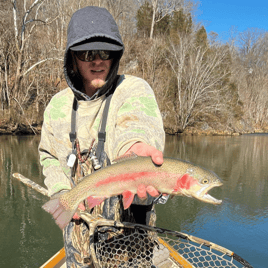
(98, 83)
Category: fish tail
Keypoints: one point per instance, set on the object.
(61, 215)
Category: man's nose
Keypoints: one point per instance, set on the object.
(97, 59)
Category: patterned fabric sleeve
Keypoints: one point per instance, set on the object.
(56, 179)
(137, 117)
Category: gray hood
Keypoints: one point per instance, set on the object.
(97, 26)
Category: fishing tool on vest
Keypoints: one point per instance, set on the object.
(90, 153)
(161, 199)
(95, 162)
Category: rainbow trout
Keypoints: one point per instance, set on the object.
(174, 177)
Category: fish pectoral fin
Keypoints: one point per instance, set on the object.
(128, 197)
(95, 201)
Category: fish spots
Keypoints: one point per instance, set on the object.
(64, 203)
(185, 182)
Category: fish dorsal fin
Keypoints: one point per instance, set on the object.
(125, 157)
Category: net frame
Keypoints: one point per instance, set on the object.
(185, 251)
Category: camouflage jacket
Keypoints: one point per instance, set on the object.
(133, 116)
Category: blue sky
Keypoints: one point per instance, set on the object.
(220, 15)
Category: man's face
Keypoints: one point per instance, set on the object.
(94, 73)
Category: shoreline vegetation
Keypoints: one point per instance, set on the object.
(203, 86)
(24, 128)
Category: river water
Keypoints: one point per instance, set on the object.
(28, 235)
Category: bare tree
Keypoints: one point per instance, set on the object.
(4, 77)
(250, 71)
(154, 66)
(199, 76)
(124, 12)
(163, 8)
(23, 33)
(6, 52)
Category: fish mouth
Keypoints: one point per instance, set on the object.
(203, 195)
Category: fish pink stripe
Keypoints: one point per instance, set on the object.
(126, 177)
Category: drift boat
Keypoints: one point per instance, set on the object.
(58, 261)
(126, 245)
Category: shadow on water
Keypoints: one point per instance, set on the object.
(241, 222)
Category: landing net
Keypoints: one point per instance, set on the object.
(126, 245)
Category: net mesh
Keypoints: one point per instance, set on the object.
(199, 255)
(140, 248)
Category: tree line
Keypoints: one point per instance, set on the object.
(198, 80)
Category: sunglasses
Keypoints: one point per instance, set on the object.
(90, 55)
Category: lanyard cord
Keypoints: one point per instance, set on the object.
(72, 134)
(102, 132)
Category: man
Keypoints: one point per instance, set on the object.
(72, 133)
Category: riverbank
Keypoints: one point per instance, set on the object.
(24, 128)
(214, 132)
(19, 121)
(218, 129)
(19, 129)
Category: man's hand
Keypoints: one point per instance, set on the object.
(143, 149)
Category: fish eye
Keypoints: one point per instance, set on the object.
(205, 181)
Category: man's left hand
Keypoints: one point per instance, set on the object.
(143, 149)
